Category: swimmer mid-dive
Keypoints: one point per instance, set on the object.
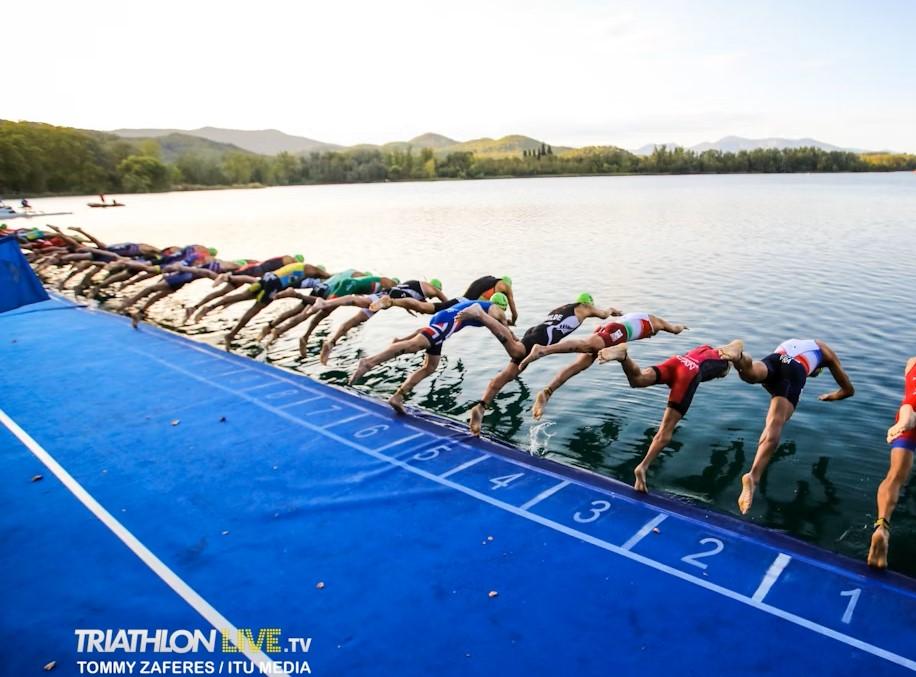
(482, 289)
(630, 327)
(413, 289)
(682, 374)
(246, 273)
(560, 323)
(441, 326)
(783, 374)
(902, 438)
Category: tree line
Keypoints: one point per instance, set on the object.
(41, 159)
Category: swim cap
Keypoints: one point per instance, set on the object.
(322, 268)
(396, 280)
(586, 298)
(300, 258)
(437, 283)
(500, 299)
(507, 280)
(212, 251)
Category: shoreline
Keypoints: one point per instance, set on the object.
(191, 188)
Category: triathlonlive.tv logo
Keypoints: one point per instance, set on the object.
(263, 650)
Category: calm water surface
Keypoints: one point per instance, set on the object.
(763, 258)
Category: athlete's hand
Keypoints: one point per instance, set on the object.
(614, 312)
(896, 431)
(830, 397)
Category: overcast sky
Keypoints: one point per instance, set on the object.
(569, 72)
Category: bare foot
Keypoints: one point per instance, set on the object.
(877, 554)
(678, 328)
(540, 401)
(200, 314)
(535, 353)
(613, 354)
(640, 484)
(265, 330)
(476, 419)
(748, 486)
(303, 346)
(397, 403)
(227, 342)
(320, 304)
(732, 351)
(187, 315)
(470, 313)
(135, 317)
(380, 304)
(361, 368)
(325, 352)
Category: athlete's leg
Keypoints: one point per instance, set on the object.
(317, 318)
(429, 366)
(750, 370)
(888, 494)
(413, 345)
(590, 345)
(359, 300)
(659, 442)
(780, 412)
(76, 268)
(513, 346)
(580, 364)
(661, 324)
(636, 376)
(212, 296)
(509, 372)
(283, 322)
(245, 319)
(142, 294)
(342, 330)
(238, 297)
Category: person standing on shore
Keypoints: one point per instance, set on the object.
(783, 374)
(902, 438)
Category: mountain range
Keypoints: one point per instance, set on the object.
(734, 144)
(272, 142)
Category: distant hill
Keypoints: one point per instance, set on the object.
(649, 148)
(172, 146)
(734, 144)
(263, 142)
(506, 146)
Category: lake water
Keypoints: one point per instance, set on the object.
(763, 258)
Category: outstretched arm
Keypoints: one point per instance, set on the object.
(98, 243)
(602, 314)
(839, 375)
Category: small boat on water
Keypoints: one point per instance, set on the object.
(10, 213)
(115, 203)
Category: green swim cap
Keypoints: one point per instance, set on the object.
(586, 298)
(241, 262)
(396, 280)
(500, 299)
(437, 283)
(212, 251)
(300, 258)
(507, 280)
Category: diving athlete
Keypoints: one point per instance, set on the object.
(783, 374)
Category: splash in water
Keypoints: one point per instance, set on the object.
(539, 438)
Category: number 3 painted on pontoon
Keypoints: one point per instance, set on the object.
(598, 507)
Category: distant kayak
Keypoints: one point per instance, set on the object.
(10, 213)
(105, 204)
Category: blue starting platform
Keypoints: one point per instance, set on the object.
(156, 490)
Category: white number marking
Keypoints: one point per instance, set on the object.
(505, 480)
(716, 549)
(853, 596)
(371, 430)
(598, 508)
